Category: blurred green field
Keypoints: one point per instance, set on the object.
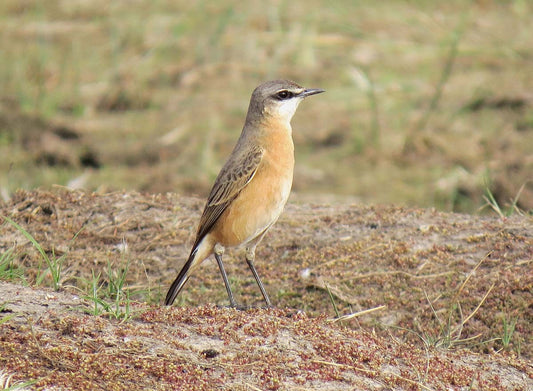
(427, 104)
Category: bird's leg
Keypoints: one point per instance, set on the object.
(219, 251)
(250, 257)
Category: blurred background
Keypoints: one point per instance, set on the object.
(428, 103)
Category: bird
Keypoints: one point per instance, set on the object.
(252, 188)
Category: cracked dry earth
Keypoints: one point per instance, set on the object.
(441, 286)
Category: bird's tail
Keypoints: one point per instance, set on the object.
(180, 280)
(199, 252)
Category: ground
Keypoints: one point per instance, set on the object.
(449, 294)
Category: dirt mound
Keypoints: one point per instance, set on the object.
(451, 296)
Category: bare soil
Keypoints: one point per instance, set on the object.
(443, 287)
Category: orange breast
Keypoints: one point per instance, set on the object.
(261, 202)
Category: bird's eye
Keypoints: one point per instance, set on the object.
(284, 94)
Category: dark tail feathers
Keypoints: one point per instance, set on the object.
(180, 280)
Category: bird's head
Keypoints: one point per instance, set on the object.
(277, 99)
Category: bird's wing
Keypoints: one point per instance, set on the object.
(233, 177)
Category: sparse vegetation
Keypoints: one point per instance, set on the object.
(9, 270)
(116, 305)
(508, 331)
(512, 206)
(53, 263)
(7, 383)
(152, 96)
(428, 104)
(4, 318)
(436, 287)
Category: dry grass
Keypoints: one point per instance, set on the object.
(157, 92)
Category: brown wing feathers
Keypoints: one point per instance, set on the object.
(234, 176)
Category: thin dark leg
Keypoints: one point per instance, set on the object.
(250, 263)
(225, 278)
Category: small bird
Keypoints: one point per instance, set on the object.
(253, 186)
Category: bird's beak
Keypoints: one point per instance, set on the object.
(310, 91)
